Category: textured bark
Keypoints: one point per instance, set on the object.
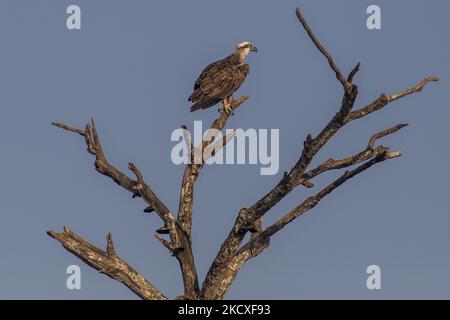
(233, 253)
(192, 170)
(247, 218)
(222, 274)
(108, 263)
(383, 100)
(180, 243)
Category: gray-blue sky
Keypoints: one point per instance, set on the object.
(132, 66)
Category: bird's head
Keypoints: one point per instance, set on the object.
(244, 48)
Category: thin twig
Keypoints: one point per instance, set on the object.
(324, 51)
(383, 100)
(384, 133)
(311, 202)
(362, 156)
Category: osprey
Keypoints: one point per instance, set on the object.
(221, 79)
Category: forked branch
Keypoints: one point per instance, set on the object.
(180, 243)
(384, 100)
(192, 170)
(230, 253)
(137, 187)
(233, 253)
(107, 262)
(221, 275)
(368, 153)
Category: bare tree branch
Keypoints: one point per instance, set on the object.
(138, 187)
(311, 202)
(211, 150)
(383, 100)
(180, 242)
(192, 170)
(188, 140)
(364, 155)
(352, 73)
(346, 84)
(247, 218)
(224, 274)
(233, 254)
(220, 277)
(107, 262)
(384, 133)
(110, 246)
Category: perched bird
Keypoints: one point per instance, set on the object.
(221, 79)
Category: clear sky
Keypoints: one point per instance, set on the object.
(132, 67)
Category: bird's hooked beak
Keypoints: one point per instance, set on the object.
(254, 49)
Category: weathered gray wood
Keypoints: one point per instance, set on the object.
(233, 253)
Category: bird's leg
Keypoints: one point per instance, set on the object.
(227, 105)
(231, 103)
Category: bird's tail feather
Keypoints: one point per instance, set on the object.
(195, 95)
(203, 104)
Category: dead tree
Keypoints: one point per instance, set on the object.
(234, 252)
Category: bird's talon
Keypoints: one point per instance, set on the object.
(228, 109)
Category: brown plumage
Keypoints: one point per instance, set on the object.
(219, 80)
